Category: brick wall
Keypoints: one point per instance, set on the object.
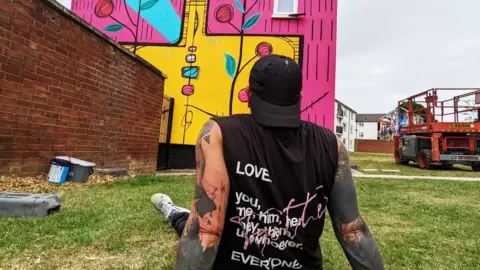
(67, 90)
(374, 146)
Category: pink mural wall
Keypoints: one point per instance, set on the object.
(161, 23)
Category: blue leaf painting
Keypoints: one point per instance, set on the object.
(148, 4)
(239, 6)
(230, 65)
(252, 21)
(113, 28)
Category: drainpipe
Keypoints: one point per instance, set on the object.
(349, 130)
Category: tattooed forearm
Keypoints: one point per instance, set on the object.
(352, 232)
(201, 237)
(191, 254)
(350, 229)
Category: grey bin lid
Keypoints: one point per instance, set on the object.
(28, 205)
(76, 161)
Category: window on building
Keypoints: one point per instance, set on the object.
(339, 112)
(361, 124)
(344, 141)
(344, 126)
(283, 8)
(360, 134)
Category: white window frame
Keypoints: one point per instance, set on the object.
(284, 14)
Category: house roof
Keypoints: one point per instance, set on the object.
(369, 117)
(338, 101)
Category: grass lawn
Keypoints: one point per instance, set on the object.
(387, 162)
(417, 224)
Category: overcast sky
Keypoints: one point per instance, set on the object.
(66, 3)
(388, 50)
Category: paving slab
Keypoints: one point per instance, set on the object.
(410, 177)
(358, 174)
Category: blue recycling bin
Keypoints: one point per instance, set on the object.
(58, 171)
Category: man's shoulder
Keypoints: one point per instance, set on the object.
(232, 120)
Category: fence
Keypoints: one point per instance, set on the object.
(374, 146)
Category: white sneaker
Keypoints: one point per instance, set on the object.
(163, 203)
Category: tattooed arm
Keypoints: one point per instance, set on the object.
(350, 229)
(201, 237)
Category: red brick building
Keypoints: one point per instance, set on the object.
(66, 89)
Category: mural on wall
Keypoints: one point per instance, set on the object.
(207, 48)
(391, 123)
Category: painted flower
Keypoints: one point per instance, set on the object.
(224, 13)
(263, 49)
(242, 96)
(187, 90)
(104, 8)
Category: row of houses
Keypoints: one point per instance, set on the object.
(351, 126)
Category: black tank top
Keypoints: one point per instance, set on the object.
(280, 181)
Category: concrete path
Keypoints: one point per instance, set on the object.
(358, 174)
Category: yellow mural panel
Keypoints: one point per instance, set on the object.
(212, 87)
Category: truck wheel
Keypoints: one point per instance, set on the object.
(424, 159)
(399, 160)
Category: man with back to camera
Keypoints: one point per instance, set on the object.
(264, 181)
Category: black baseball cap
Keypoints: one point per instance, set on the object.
(276, 84)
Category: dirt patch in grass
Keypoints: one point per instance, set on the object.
(391, 226)
(39, 183)
(440, 199)
(387, 162)
(151, 256)
(176, 171)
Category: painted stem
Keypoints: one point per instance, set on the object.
(316, 101)
(239, 64)
(246, 64)
(252, 6)
(128, 28)
(231, 24)
(128, 13)
(205, 112)
(136, 26)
